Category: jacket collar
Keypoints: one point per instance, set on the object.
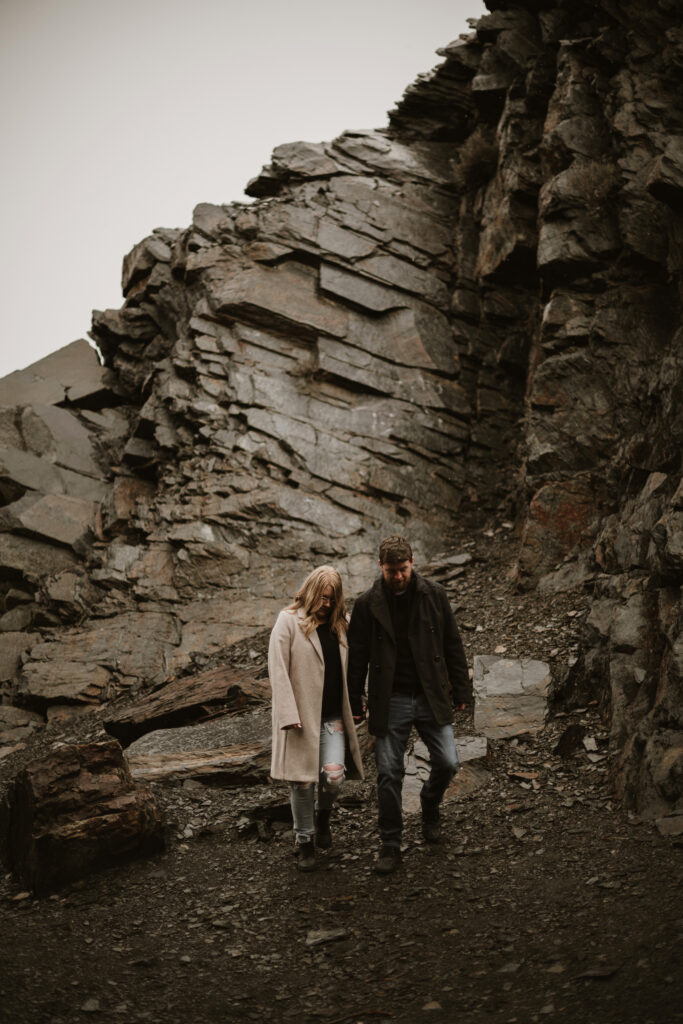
(380, 606)
(421, 585)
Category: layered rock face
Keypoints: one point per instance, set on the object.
(476, 306)
(576, 237)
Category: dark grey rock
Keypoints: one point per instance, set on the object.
(665, 180)
(13, 646)
(70, 374)
(281, 298)
(17, 724)
(55, 517)
(358, 290)
(33, 558)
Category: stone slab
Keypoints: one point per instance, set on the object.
(17, 724)
(35, 559)
(665, 181)
(58, 435)
(472, 751)
(510, 696)
(12, 646)
(59, 681)
(359, 290)
(236, 765)
(671, 825)
(122, 502)
(71, 373)
(303, 160)
(135, 645)
(57, 517)
(212, 729)
(400, 274)
(30, 471)
(17, 618)
(280, 297)
(342, 242)
(398, 161)
(186, 700)
(418, 336)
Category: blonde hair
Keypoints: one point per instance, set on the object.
(309, 598)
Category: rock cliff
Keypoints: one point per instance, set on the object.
(476, 307)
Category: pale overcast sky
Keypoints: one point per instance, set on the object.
(119, 116)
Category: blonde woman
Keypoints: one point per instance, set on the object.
(314, 738)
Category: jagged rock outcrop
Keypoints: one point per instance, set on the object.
(478, 305)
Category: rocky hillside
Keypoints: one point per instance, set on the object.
(474, 309)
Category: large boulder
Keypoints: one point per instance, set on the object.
(73, 812)
(510, 695)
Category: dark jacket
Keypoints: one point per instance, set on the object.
(435, 644)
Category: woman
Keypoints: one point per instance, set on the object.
(312, 723)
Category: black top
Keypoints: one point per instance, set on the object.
(406, 679)
(332, 687)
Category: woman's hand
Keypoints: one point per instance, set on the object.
(294, 725)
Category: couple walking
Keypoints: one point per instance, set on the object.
(402, 635)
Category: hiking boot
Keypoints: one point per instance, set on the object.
(389, 859)
(431, 823)
(304, 851)
(323, 836)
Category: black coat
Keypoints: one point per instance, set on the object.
(436, 647)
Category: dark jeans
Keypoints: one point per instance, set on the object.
(404, 712)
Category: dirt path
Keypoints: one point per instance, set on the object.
(545, 902)
(575, 916)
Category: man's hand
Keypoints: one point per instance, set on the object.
(461, 707)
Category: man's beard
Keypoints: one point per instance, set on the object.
(399, 588)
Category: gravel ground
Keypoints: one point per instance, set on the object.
(546, 901)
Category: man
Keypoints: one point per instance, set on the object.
(403, 629)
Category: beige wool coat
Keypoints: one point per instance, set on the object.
(296, 668)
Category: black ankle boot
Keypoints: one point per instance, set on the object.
(431, 823)
(304, 850)
(323, 836)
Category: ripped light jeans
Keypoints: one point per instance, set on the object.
(331, 767)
